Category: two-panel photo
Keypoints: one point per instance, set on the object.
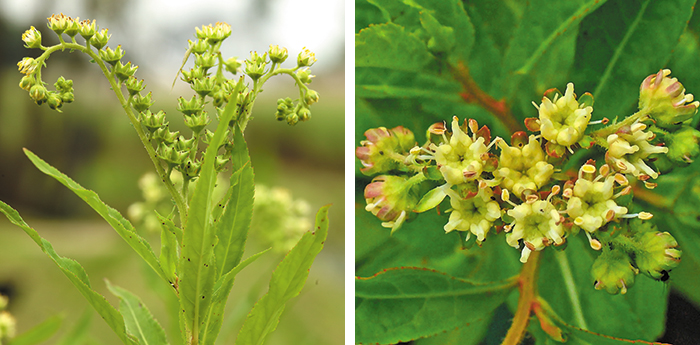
(309, 172)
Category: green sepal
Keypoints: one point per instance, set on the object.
(431, 199)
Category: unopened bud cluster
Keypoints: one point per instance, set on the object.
(492, 186)
(279, 220)
(177, 152)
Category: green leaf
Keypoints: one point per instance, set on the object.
(232, 227)
(390, 45)
(120, 224)
(287, 281)
(139, 320)
(168, 247)
(222, 288)
(565, 282)
(471, 334)
(78, 333)
(76, 274)
(197, 262)
(408, 303)
(620, 44)
(39, 333)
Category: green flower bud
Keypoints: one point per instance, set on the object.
(311, 97)
(191, 107)
(292, 119)
(214, 34)
(190, 169)
(304, 114)
(305, 76)
(164, 135)
(87, 29)
(100, 39)
(170, 155)
(67, 97)
(683, 145)
(306, 58)
(665, 100)
(205, 61)
(391, 199)
(124, 71)
(54, 100)
(112, 56)
(613, 271)
(659, 254)
(59, 23)
(32, 38)
(199, 47)
(38, 93)
(64, 85)
(385, 149)
(277, 54)
(193, 74)
(27, 82)
(203, 86)
(220, 163)
(134, 86)
(27, 65)
(232, 65)
(197, 122)
(72, 28)
(152, 121)
(182, 144)
(284, 108)
(255, 66)
(141, 103)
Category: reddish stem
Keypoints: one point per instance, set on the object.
(472, 93)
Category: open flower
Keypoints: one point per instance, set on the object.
(629, 147)
(522, 166)
(665, 100)
(475, 214)
(462, 158)
(562, 119)
(592, 203)
(538, 224)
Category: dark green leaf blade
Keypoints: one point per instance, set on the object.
(197, 263)
(402, 304)
(287, 281)
(390, 45)
(222, 288)
(138, 319)
(232, 227)
(120, 224)
(623, 42)
(76, 274)
(565, 282)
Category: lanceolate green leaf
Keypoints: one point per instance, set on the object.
(168, 247)
(287, 281)
(222, 288)
(197, 264)
(120, 224)
(408, 303)
(620, 44)
(76, 274)
(139, 320)
(232, 227)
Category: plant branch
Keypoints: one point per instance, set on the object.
(527, 284)
(474, 94)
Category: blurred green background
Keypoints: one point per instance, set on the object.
(93, 142)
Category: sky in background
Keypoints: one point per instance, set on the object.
(165, 25)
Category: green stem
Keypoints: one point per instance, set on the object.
(570, 285)
(116, 87)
